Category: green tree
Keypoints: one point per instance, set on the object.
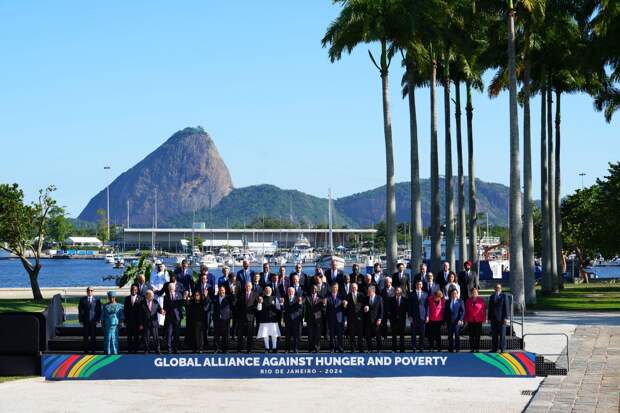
(58, 226)
(371, 21)
(23, 228)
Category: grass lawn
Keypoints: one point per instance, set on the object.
(4, 379)
(11, 305)
(601, 296)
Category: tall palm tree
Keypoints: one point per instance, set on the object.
(368, 21)
(413, 59)
(547, 277)
(551, 188)
(461, 216)
(516, 224)
(448, 182)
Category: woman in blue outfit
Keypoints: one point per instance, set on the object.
(111, 317)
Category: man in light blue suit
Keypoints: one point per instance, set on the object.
(245, 274)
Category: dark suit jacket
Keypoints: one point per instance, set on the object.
(246, 309)
(398, 313)
(313, 311)
(331, 278)
(208, 293)
(418, 277)
(404, 284)
(263, 281)
(463, 282)
(375, 311)
(441, 278)
(293, 312)
(356, 278)
(323, 291)
(132, 312)
(355, 312)
(342, 290)
(228, 287)
(149, 318)
(174, 308)
(334, 309)
(418, 309)
(277, 290)
(257, 288)
(89, 314)
(498, 308)
(223, 310)
(186, 279)
(299, 292)
(458, 315)
(303, 279)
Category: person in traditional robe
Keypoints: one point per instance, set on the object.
(111, 317)
(268, 310)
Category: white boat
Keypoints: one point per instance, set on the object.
(302, 251)
(209, 261)
(109, 258)
(119, 262)
(325, 261)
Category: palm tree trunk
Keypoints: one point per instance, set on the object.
(416, 200)
(558, 199)
(435, 207)
(473, 211)
(528, 224)
(516, 224)
(461, 179)
(547, 278)
(390, 221)
(449, 190)
(551, 189)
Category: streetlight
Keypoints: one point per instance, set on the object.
(582, 174)
(107, 168)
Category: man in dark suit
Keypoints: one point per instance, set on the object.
(222, 313)
(418, 311)
(246, 314)
(277, 286)
(398, 319)
(442, 276)
(302, 277)
(132, 313)
(256, 284)
(297, 285)
(401, 279)
(421, 275)
(333, 275)
(429, 284)
(89, 314)
(453, 314)
(344, 287)
(149, 323)
(356, 276)
(374, 315)
(355, 303)
(265, 275)
(335, 319)
(313, 314)
(366, 284)
(293, 314)
(206, 292)
(468, 279)
(185, 276)
(174, 305)
(386, 294)
(245, 274)
(143, 286)
(498, 317)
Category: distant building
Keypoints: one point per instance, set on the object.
(83, 242)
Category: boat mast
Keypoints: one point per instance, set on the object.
(329, 218)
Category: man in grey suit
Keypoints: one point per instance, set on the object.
(418, 312)
(498, 317)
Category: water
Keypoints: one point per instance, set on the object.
(82, 272)
(79, 273)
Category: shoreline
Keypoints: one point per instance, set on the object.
(49, 292)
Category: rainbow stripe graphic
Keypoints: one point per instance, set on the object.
(511, 364)
(75, 366)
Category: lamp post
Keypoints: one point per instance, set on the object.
(107, 168)
(582, 174)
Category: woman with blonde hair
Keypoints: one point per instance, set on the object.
(436, 309)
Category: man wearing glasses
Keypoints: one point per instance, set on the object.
(89, 314)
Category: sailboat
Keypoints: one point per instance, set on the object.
(330, 255)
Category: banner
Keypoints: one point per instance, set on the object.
(247, 366)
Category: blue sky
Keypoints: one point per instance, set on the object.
(85, 84)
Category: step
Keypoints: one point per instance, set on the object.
(74, 343)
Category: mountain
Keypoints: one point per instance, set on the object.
(367, 208)
(242, 205)
(185, 172)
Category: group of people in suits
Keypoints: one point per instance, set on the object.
(253, 305)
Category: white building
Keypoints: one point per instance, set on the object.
(83, 242)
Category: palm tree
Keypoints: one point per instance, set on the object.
(368, 21)
(449, 191)
(516, 224)
(461, 232)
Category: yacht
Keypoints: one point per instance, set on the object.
(302, 251)
(209, 261)
(109, 258)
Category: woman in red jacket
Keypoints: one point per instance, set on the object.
(475, 315)
(436, 306)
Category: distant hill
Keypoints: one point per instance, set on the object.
(367, 208)
(243, 205)
(187, 172)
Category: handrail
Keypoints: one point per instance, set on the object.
(551, 354)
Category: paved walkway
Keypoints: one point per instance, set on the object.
(593, 382)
